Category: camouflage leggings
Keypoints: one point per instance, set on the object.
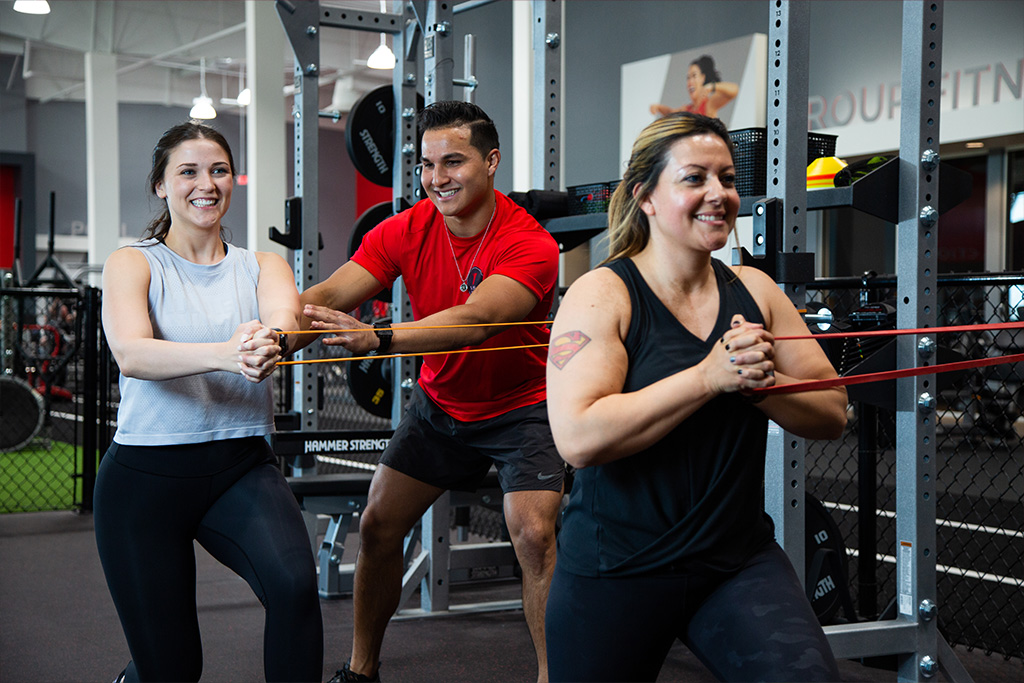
(754, 625)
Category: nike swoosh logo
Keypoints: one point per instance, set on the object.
(545, 477)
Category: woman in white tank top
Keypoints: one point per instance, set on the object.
(191, 322)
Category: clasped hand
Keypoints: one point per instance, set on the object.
(743, 359)
(258, 350)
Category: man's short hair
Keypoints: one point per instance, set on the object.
(454, 114)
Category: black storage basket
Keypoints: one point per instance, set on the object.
(592, 198)
(751, 157)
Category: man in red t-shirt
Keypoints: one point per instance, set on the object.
(467, 255)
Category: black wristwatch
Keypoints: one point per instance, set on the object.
(384, 335)
(282, 341)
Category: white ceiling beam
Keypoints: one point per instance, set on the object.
(231, 30)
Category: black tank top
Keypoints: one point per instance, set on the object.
(694, 500)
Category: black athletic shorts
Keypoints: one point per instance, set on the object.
(433, 447)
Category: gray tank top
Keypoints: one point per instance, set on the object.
(193, 303)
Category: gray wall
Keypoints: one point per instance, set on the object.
(850, 42)
(12, 107)
(602, 36)
(55, 134)
(492, 27)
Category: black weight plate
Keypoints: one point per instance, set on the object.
(21, 413)
(369, 382)
(370, 134)
(824, 554)
(364, 224)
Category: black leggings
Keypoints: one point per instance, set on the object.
(755, 625)
(151, 502)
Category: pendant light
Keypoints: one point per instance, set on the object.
(32, 6)
(202, 106)
(382, 57)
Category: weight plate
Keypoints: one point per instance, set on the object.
(824, 553)
(370, 134)
(21, 413)
(369, 382)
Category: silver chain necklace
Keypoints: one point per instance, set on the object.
(463, 281)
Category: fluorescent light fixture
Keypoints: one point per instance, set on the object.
(975, 145)
(202, 106)
(382, 57)
(32, 6)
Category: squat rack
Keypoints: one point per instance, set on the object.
(421, 26)
(913, 636)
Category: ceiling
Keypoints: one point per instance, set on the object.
(160, 46)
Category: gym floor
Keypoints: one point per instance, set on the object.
(59, 623)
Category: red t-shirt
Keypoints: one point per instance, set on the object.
(414, 244)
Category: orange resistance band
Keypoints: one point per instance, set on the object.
(406, 355)
(795, 387)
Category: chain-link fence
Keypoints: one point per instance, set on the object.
(980, 458)
(40, 399)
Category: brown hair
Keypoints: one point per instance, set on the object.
(628, 229)
(169, 141)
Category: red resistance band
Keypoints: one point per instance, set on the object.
(817, 384)
(893, 333)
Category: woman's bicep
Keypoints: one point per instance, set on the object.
(125, 313)
(276, 292)
(586, 357)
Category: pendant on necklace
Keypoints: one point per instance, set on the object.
(463, 287)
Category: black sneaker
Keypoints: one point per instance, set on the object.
(346, 674)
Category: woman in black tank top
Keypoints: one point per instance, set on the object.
(665, 536)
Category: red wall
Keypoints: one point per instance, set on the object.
(369, 194)
(7, 177)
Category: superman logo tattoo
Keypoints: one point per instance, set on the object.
(563, 347)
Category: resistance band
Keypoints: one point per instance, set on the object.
(406, 355)
(818, 384)
(418, 327)
(795, 387)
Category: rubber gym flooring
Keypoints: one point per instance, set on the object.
(57, 623)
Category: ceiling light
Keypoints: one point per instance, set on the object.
(975, 145)
(244, 98)
(202, 106)
(382, 57)
(32, 6)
